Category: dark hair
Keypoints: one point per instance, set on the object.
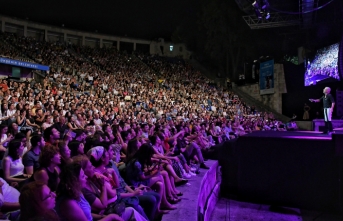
(124, 134)
(29, 207)
(69, 185)
(47, 133)
(10, 129)
(19, 136)
(61, 147)
(17, 107)
(153, 139)
(74, 146)
(89, 143)
(132, 148)
(104, 126)
(78, 132)
(47, 153)
(144, 154)
(143, 125)
(13, 147)
(160, 134)
(2, 126)
(82, 160)
(35, 140)
(106, 145)
(97, 135)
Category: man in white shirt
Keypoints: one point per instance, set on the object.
(82, 76)
(97, 121)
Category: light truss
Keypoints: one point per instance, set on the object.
(275, 20)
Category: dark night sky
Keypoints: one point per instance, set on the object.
(147, 19)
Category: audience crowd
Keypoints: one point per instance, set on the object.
(107, 135)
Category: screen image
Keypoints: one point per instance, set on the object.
(323, 67)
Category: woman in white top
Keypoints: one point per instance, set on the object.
(12, 164)
(12, 113)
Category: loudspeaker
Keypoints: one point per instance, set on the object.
(339, 103)
(337, 138)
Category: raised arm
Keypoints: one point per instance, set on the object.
(314, 100)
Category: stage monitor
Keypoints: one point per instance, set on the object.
(323, 67)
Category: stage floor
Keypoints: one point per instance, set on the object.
(310, 135)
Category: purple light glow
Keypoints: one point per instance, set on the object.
(309, 137)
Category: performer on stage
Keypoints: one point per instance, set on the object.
(329, 104)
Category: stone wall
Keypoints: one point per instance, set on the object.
(272, 100)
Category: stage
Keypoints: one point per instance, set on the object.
(300, 169)
(307, 135)
(319, 124)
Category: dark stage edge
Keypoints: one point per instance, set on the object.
(299, 169)
(290, 135)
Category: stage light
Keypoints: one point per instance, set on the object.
(257, 9)
(267, 16)
(261, 8)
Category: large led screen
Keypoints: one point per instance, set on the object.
(323, 67)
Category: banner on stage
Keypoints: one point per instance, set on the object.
(24, 64)
(267, 77)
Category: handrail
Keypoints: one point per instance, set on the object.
(259, 105)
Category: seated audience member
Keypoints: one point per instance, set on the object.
(148, 199)
(99, 158)
(189, 148)
(13, 129)
(48, 122)
(132, 148)
(137, 176)
(61, 125)
(37, 202)
(25, 125)
(9, 197)
(80, 135)
(179, 162)
(12, 164)
(72, 123)
(31, 157)
(65, 153)
(51, 135)
(26, 142)
(98, 181)
(72, 205)
(4, 139)
(76, 148)
(48, 173)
